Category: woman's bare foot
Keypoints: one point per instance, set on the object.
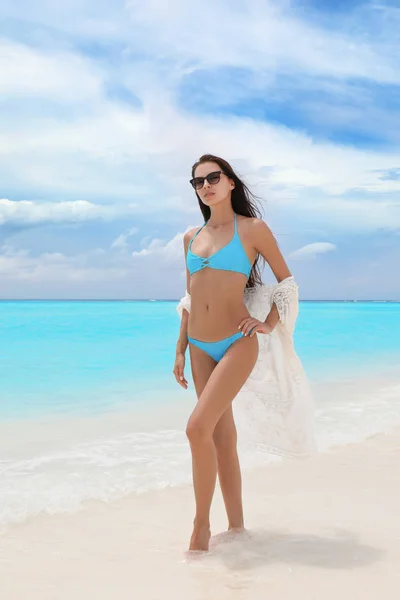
(200, 538)
(229, 535)
(236, 529)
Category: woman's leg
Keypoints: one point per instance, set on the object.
(230, 479)
(202, 366)
(225, 441)
(223, 384)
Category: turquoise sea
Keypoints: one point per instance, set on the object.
(89, 407)
(87, 357)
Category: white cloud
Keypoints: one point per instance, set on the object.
(28, 212)
(82, 19)
(347, 215)
(297, 162)
(110, 150)
(26, 71)
(171, 251)
(63, 136)
(310, 251)
(19, 265)
(121, 242)
(279, 40)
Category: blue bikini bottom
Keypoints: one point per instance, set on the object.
(216, 349)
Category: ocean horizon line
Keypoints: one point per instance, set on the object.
(347, 300)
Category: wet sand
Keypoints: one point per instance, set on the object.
(325, 527)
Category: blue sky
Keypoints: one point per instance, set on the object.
(104, 106)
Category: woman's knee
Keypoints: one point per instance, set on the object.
(197, 431)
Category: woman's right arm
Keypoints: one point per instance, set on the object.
(182, 342)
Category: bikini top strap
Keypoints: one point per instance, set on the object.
(235, 230)
(197, 233)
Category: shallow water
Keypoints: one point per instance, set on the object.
(90, 409)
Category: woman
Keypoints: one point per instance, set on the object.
(221, 262)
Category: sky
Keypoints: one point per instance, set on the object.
(105, 105)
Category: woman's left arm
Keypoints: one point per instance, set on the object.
(265, 244)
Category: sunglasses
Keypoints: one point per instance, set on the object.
(212, 178)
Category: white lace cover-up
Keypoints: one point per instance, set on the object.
(274, 410)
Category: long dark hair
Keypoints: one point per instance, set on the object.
(244, 202)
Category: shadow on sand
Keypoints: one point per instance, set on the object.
(255, 548)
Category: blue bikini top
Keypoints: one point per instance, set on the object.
(231, 257)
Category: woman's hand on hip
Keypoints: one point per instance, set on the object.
(251, 326)
(178, 370)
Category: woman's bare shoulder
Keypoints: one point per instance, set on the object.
(187, 236)
(251, 224)
(251, 220)
(254, 224)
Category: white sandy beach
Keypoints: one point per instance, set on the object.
(326, 527)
